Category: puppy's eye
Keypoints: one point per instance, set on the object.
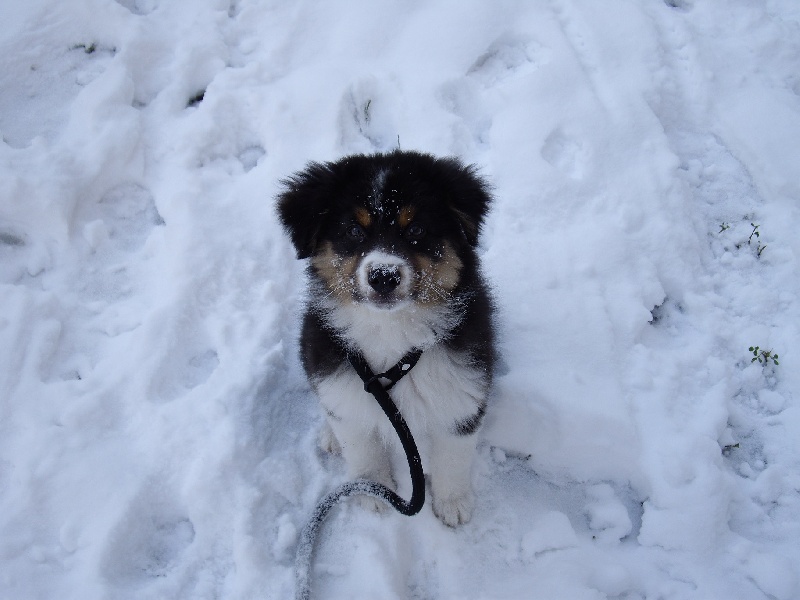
(356, 233)
(415, 232)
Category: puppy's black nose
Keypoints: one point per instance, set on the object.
(384, 279)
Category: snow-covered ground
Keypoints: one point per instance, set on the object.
(157, 437)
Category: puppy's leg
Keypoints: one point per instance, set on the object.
(451, 476)
(366, 457)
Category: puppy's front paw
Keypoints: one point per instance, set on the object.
(453, 510)
(372, 504)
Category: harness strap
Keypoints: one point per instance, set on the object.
(394, 374)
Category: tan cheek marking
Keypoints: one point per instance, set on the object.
(338, 272)
(406, 215)
(436, 279)
(363, 217)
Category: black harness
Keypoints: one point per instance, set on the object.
(394, 374)
(374, 385)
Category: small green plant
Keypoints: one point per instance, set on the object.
(724, 227)
(87, 48)
(755, 232)
(763, 356)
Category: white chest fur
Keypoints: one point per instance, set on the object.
(442, 389)
(385, 336)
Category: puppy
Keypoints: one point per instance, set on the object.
(391, 240)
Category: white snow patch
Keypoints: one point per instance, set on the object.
(157, 436)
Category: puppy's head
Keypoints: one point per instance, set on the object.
(386, 229)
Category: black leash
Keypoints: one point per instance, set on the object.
(373, 385)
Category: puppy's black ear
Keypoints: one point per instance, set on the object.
(303, 206)
(469, 198)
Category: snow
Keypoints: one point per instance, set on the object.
(157, 437)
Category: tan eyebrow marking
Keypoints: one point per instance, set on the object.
(406, 215)
(363, 217)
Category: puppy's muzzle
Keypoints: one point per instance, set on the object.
(384, 279)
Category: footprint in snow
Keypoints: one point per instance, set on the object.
(21, 257)
(41, 81)
(366, 117)
(508, 55)
(149, 539)
(250, 156)
(566, 153)
(115, 228)
(125, 216)
(463, 98)
(684, 5)
(608, 517)
(184, 372)
(139, 7)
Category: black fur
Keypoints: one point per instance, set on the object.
(450, 200)
(313, 198)
(316, 204)
(471, 424)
